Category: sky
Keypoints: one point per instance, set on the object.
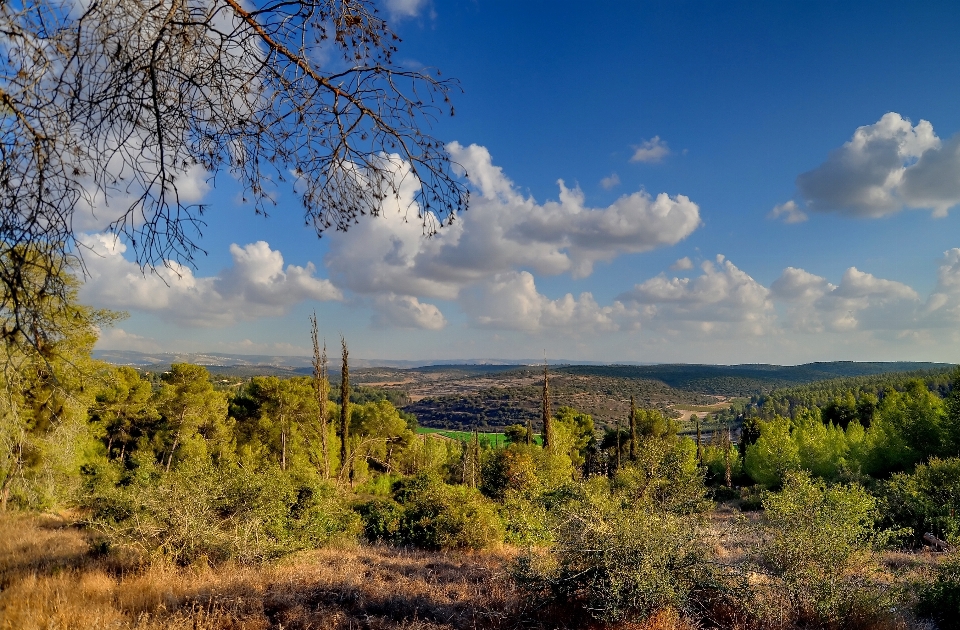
(699, 182)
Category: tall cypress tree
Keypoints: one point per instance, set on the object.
(345, 413)
(320, 391)
(547, 428)
(633, 429)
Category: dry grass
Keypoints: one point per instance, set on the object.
(49, 580)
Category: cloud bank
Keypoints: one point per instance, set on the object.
(256, 286)
(884, 168)
(500, 242)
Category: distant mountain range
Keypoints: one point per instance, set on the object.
(683, 375)
(146, 359)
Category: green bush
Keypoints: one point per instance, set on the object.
(206, 514)
(427, 513)
(927, 500)
(624, 550)
(820, 541)
(939, 599)
(382, 520)
(619, 562)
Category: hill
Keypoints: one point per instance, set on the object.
(749, 379)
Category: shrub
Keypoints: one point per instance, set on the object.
(820, 541)
(427, 513)
(928, 500)
(198, 514)
(513, 468)
(939, 599)
(630, 546)
(620, 556)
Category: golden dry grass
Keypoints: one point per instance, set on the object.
(50, 581)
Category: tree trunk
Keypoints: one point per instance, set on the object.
(173, 449)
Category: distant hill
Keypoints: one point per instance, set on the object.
(489, 394)
(748, 379)
(293, 362)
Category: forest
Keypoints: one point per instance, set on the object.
(298, 502)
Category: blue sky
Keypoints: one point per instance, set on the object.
(840, 114)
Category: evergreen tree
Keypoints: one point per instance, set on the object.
(345, 466)
(546, 415)
(321, 389)
(194, 415)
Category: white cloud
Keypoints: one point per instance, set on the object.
(257, 285)
(942, 308)
(682, 264)
(511, 301)
(722, 298)
(610, 181)
(651, 151)
(406, 311)
(934, 181)
(399, 9)
(789, 211)
(502, 233)
(886, 167)
(860, 302)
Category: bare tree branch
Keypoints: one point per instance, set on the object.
(108, 108)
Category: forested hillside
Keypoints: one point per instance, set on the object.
(746, 380)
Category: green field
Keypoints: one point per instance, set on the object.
(493, 440)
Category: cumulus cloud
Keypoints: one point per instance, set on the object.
(610, 181)
(503, 232)
(406, 311)
(511, 301)
(789, 212)
(886, 167)
(860, 302)
(934, 181)
(651, 151)
(942, 308)
(682, 264)
(257, 285)
(723, 297)
(725, 300)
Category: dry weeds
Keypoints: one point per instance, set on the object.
(49, 580)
